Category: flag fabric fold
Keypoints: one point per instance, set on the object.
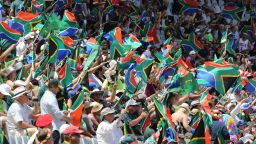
(8, 33)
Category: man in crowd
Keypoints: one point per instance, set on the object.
(19, 114)
(134, 117)
(49, 105)
(109, 124)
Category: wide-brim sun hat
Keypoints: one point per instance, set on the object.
(19, 91)
(96, 107)
(96, 91)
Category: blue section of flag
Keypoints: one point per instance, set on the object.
(15, 25)
(62, 53)
(250, 87)
(207, 77)
(68, 32)
(108, 37)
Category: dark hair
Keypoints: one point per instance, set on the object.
(35, 82)
(53, 83)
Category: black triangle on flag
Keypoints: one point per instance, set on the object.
(228, 82)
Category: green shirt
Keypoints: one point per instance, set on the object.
(135, 129)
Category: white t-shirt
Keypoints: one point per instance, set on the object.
(109, 133)
(49, 105)
(17, 113)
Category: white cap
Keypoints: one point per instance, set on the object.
(131, 102)
(106, 111)
(192, 52)
(29, 36)
(5, 89)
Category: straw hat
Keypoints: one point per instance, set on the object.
(96, 107)
(19, 91)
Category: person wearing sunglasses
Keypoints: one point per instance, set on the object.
(72, 135)
(19, 115)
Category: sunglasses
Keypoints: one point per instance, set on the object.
(76, 135)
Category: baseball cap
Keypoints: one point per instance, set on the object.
(106, 111)
(131, 102)
(44, 120)
(72, 130)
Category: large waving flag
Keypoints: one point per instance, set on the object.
(166, 73)
(117, 50)
(8, 33)
(77, 108)
(90, 44)
(65, 48)
(69, 18)
(143, 68)
(25, 21)
(114, 35)
(195, 120)
(219, 76)
(188, 84)
(192, 43)
(131, 80)
(232, 12)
